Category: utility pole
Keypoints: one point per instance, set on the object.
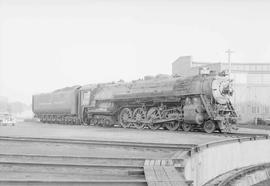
(229, 52)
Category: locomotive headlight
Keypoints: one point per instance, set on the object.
(221, 90)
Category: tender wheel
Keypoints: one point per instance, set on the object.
(174, 125)
(79, 122)
(95, 121)
(124, 117)
(53, 119)
(186, 127)
(107, 123)
(84, 123)
(209, 126)
(101, 122)
(152, 115)
(62, 120)
(49, 119)
(139, 115)
(65, 121)
(76, 122)
(88, 121)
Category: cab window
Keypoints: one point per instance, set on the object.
(85, 97)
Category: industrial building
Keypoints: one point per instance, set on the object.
(3, 104)
(251, 83)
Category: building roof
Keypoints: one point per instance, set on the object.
(239, 67)
(233, 63)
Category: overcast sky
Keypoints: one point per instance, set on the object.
(49, 44)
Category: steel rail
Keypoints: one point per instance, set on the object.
(99, 142)
(50, 164)
(129, 170)
(74, 182)
(74, 157)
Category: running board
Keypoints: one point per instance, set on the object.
(155, 121)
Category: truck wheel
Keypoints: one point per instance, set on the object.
(186, 127)
(108, 122)
(173, 125)
(209, 126)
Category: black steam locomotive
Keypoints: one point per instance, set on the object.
(200, 102)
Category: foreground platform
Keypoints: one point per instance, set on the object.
(208, 155)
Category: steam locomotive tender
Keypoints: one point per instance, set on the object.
(198, 102)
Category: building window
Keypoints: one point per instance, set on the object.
(253, 110)
(266, 110)
(265, 78)
(243, 109)
(246, 67)
(259, 67)
(235, 67)
(252, 68)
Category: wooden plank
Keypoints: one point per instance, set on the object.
(157, 162)
(151, 183)
(179, 155)
(178, 183)
(149, 174)
(172, 173)
(163, 183)
(152, 162)
(161, 175)
(146, 162)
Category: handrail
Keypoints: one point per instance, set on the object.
(243, 171)
(226, 141)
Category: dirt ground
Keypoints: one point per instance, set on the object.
(254, 129)
(36, 129)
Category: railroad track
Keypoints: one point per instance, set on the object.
(23, 167)
(73, 160)
(227, 135)
(34, 169)
(40, 169)
(99, 142)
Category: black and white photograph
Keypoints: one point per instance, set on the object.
(134, 93)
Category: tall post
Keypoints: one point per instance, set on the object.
(229, 52)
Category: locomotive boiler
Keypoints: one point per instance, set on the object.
(200, 102)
